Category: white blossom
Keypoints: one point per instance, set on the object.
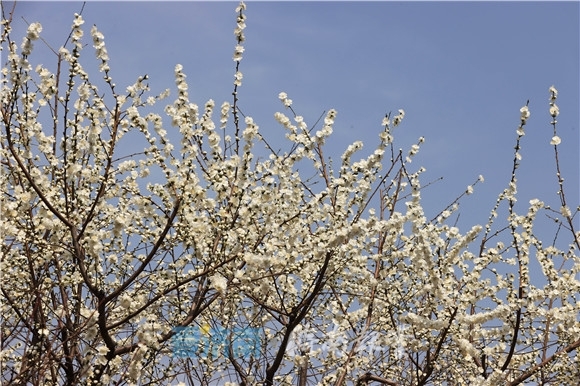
(238, 53)
(524, 114)
(219, 282)
(398, 118)
(285, 100)
(553, 93)
(33, 33)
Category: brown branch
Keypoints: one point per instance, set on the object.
(148, 259)
(239, 370)
(573, 346)
(101, 191)
(511, 204)
(296, 316)
(368, 377)
(30, 180)
(428, 370)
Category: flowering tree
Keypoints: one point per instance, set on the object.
(220, 260)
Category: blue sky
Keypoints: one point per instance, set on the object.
(460, 70)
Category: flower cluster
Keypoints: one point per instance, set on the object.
(554, 112)
(239, 32)
(285, 100)
(33, 33)
(524, 114)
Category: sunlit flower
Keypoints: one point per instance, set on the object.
(238, 76)
(100, 48)
(386, 121)
(78, 20)
(398, 118)
(565, 211)
(241, 7)
(553, 93)
(33, 31)
(77, 34)
(525, 114)
(102, 350)
(126, 301)
(285, 100)
(239, 50)
(219, 282)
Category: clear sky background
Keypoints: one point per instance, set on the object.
(461, 71)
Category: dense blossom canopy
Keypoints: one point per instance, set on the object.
(331, 271)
